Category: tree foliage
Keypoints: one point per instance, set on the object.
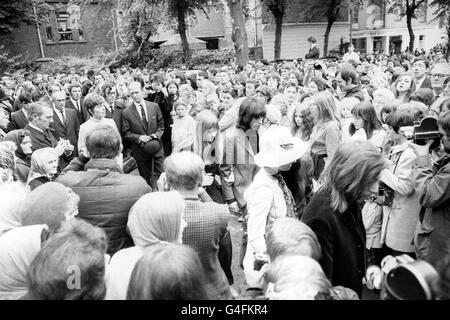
(442, 12)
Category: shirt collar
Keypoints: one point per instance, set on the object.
(191, 195)
(34, 127)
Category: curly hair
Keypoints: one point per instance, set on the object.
(304, 131)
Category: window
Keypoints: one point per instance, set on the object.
(49, 32)
(355, 15)
(65, 34)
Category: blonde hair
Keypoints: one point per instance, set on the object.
(326, 105)
(204, 121)
(296, 277)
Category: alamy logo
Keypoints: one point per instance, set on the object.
(74, 280)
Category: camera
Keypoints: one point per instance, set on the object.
(385, 195)
(426, 129)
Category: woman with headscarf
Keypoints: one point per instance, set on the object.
(23, 152)
(43, 212)
(44, 167)
(155, 218)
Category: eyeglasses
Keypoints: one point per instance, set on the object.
(439, 75)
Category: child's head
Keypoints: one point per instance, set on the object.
(347, 105)
(172, 87)
(180, 109)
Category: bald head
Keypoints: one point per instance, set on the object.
(136, 92)
(59, 99)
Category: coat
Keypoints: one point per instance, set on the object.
(68, 130)
(342, 238)
(18, 120)
(433, 186)
(313, 53)
(82, 114)
(206, 226)
(238, 158)
(133, 128)
(106, 196)
(39, 139)
(400, 219)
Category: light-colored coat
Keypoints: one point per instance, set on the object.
(400, 220)
(265, 204)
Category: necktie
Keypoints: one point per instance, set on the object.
(62, 116)
(144, 118)
(290, 202)
(78, 106)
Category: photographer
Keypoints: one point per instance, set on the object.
(432, 181)
(401, 206)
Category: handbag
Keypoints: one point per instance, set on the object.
(129, 164)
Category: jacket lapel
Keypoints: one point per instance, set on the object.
(138, 117)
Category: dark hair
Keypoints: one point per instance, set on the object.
(424, 95)
(425, 61)
(106, 89)
(311, 39)
(366, 111)
(103, 142)
(92, 100)
(71, 265)
(25, 97)
(228, 89)
(139, 80)
(265, 92)
(250, 109)
(400, 118)
(321, 85)
(74, 85)
(168, 271)
(444, 122)
(156, 77)
(348, 72)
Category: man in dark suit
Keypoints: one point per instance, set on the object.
(19, 119)
(65, 123)
(314, 51)
(113, 107)
(420, 69)
(76, 103)
(142, 127)
(41, 115)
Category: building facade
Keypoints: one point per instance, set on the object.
(376, 29)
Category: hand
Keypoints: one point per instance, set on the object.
(60, 147)
(421, 150)
(162, 183)
(144, 139)
(233, 207)
(164, 91)
(207, 180)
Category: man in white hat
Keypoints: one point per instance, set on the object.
(268, 197)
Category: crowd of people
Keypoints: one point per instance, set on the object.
(120, 184)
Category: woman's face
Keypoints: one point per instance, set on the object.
(314, 113)
(447, 89)
(312, 87)
(298, 118)
(272, 83)
(227, 99)
(404, 83)
(99, 112)
(371, 190)
(210, 135)
(255, 124)
(172, 89)
(358, 122)
(51, 165)
(26, 145)
(346, 111)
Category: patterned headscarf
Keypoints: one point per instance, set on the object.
(6, 157)
(156, 217)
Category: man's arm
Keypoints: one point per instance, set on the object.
(126, 130)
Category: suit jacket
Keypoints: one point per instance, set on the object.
(426, 84)
(342, 237)
(68, 130)
(82, 115)
(116, 113)
(133, 127)
(238, 157)
(18, 121)
(40, 140)
(313, 53)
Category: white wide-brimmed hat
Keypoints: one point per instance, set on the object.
(278, 147)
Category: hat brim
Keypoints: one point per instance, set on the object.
(281, 157)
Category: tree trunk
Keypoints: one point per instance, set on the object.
(278, 33)
(410, 30)
(239, 34)
(181, 15)
(447, 54)
(326, 37)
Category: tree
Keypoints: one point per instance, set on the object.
(330, 9)
(239, 33)
(278, 9)
(442, 11)
(408, 9)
